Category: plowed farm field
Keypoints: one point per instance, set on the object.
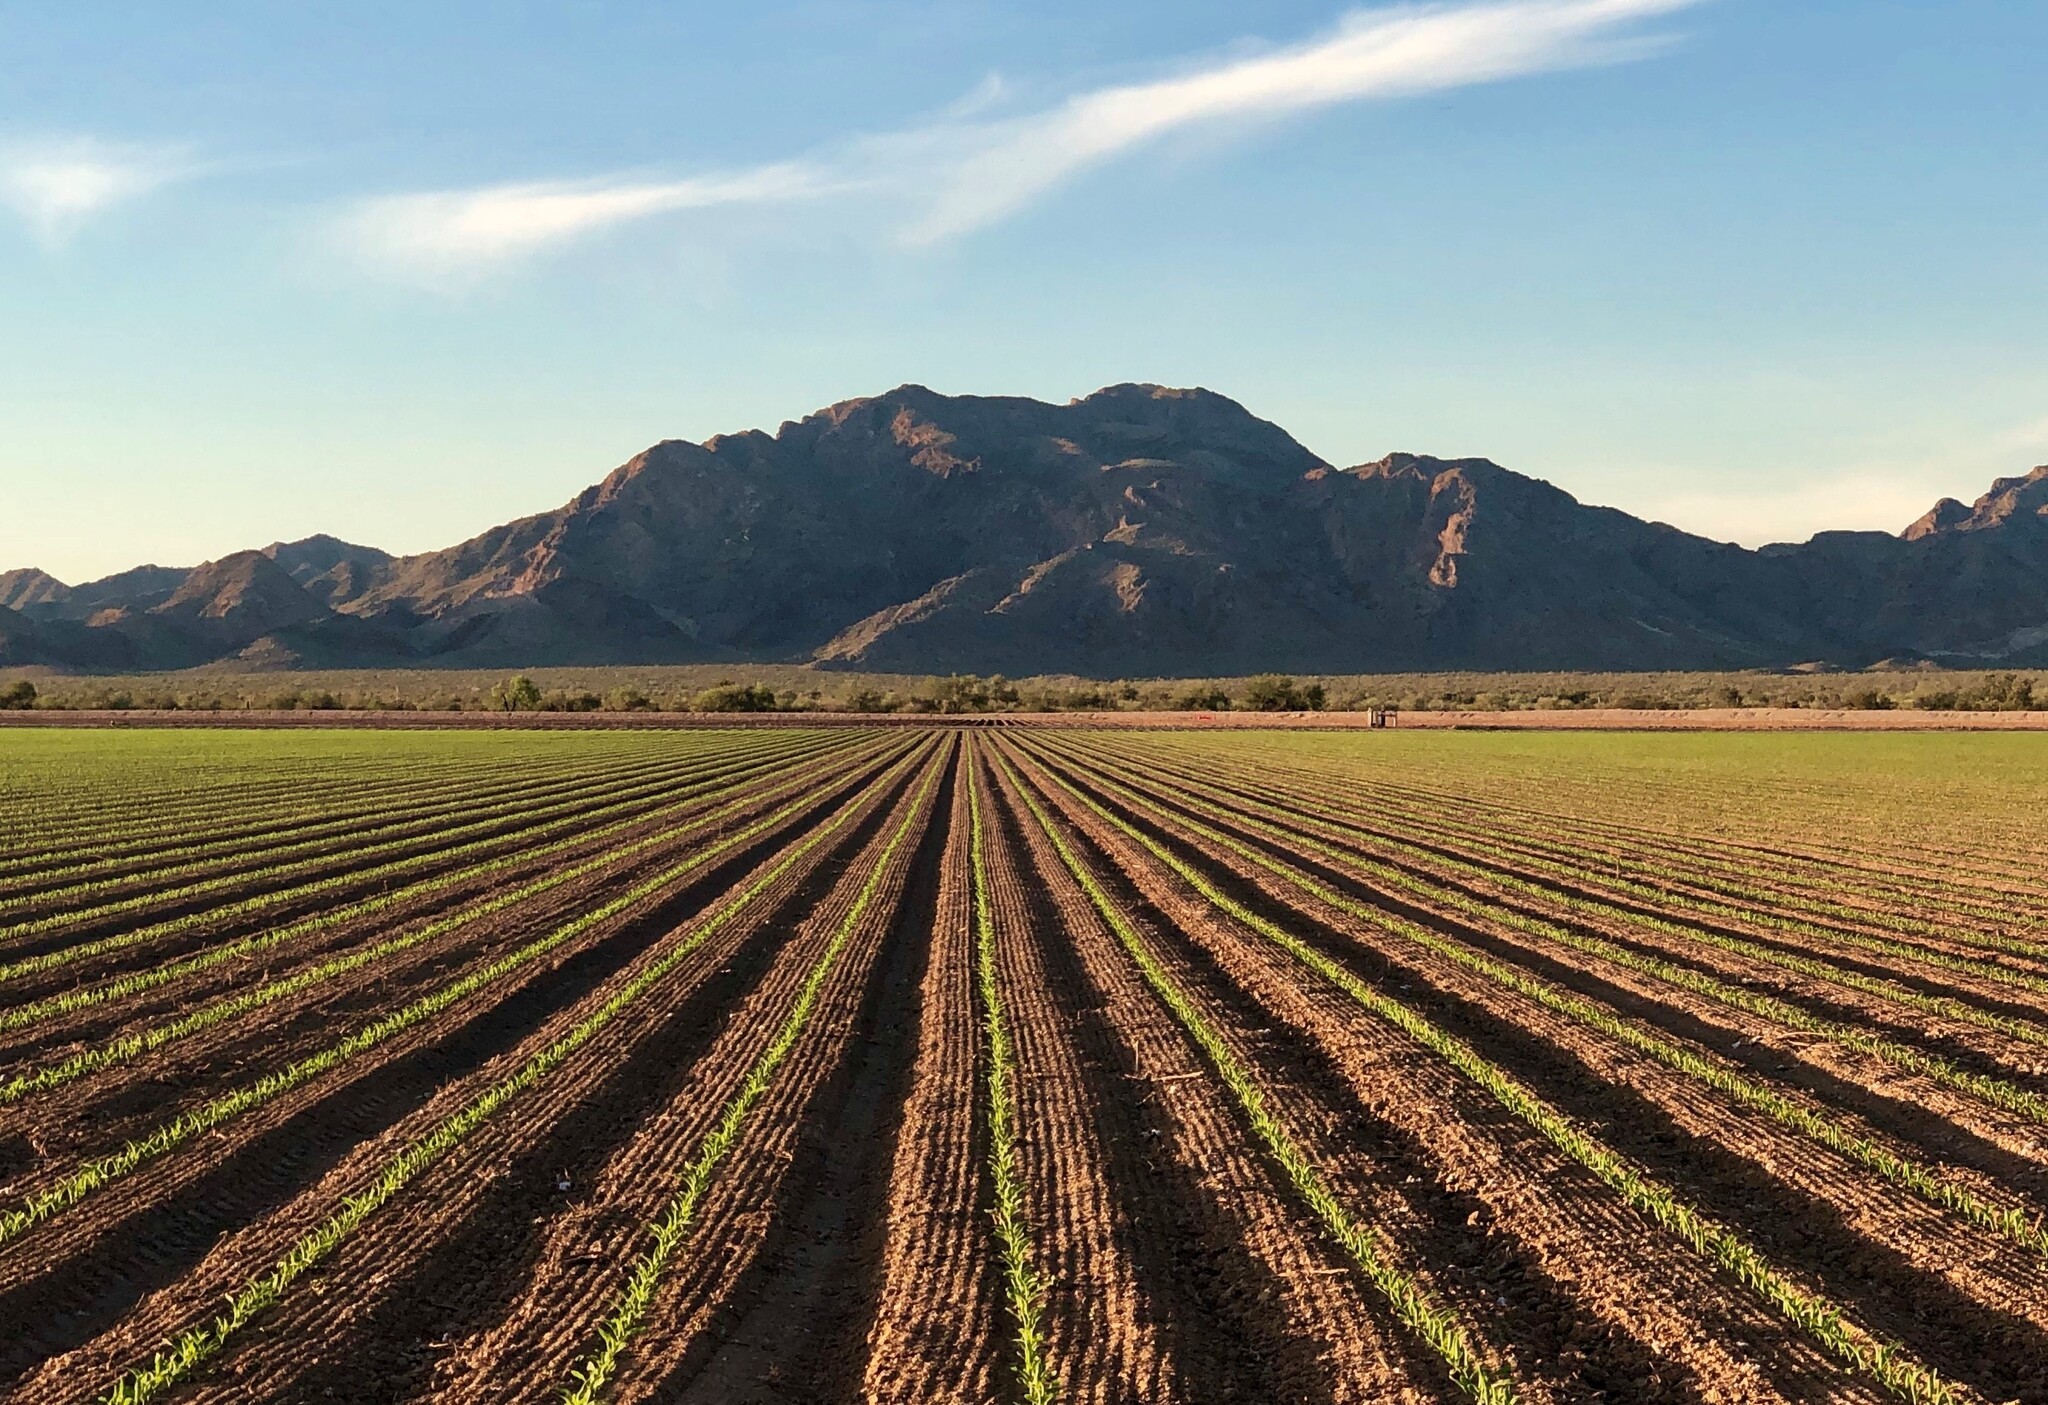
(1008, 1064)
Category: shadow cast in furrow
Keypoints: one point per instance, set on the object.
(1810, 990)
(1934, 1134)
(477, 1267)
(85, 1294)
(2001, 1356)
(1493, 1274)
(309, 1021)
(1209, 1297)
(794, 1328)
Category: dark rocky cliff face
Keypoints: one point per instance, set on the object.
(1139, 530)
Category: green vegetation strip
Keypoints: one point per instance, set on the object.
(1889, 1364)
(130, 1046)
(189, 1350)
(2011, 1222)
(503, 825)
(95, 1174)
(1438, 1326)
(1999, 1092)
(629, 1308)
(170, 927)
(1784, 883)
(350, 834)
(1023, 1285)
(1580, 872)
(135, 983)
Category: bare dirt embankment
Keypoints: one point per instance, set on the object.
(1740, 719)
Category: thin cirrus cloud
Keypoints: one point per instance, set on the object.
(965, 171)
(55, 185)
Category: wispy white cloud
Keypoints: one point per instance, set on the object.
(464, 232)
(56, 184)
(1001, 167)
(965, 170)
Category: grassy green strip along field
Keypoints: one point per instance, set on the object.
(102, 1171)
(1023, 1285)
(1784, 884)
(1882, 988)
(122, 940)
(510, 822)
(2011, 1222)
(1999, 1092)
(1438, 1326)
(1890, 1365)
(1581, 870)
(417, 810)
(191, 1349)
(135, 983)
(129, 1046)
(628, 1312)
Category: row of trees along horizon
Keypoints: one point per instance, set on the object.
(971, 693)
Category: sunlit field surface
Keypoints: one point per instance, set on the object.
(1014, 1063)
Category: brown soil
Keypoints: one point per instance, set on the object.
(845, 1247)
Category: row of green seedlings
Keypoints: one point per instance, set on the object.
(133, 1045)
(1328, 799)
(1438, 1326)
(652, 800)
(2000, 1093)
(627, 1313)
(1025, 1288)
(120, 805)
(1577, 869)
(1600, 848)
(96, 1174)
(1827, 811)
(1879, 987)
(1758, 877)
(427, 811)
(237, 833)
(1887, 1363)
(111, 813)
(2014, 1223)
(742, 777)
(509, 818)
(194, 1347)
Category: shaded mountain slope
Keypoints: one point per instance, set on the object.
(1138, 530)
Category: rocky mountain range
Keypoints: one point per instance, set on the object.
(1139, 531)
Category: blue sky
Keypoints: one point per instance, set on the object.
(402, 271)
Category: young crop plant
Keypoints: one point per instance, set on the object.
(396, 899)
(1998, 1092)
(2011, 1222)
(129, 1046)
(1437, 1325)
(1889, 1364)
(628, 1312)
(571, 823)
(102, 1171)
(1024, 1287)
(189, 1350)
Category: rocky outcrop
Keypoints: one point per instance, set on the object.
(1138, 530)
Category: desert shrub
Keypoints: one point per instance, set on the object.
(869, 700)
(516, 694)
(1869, 700)
(1274, 692)
(626, 698)
(2001, 692)
(1209, 699)
(19, 694)
(735, 697)
(561, 701)
(1940, 700)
